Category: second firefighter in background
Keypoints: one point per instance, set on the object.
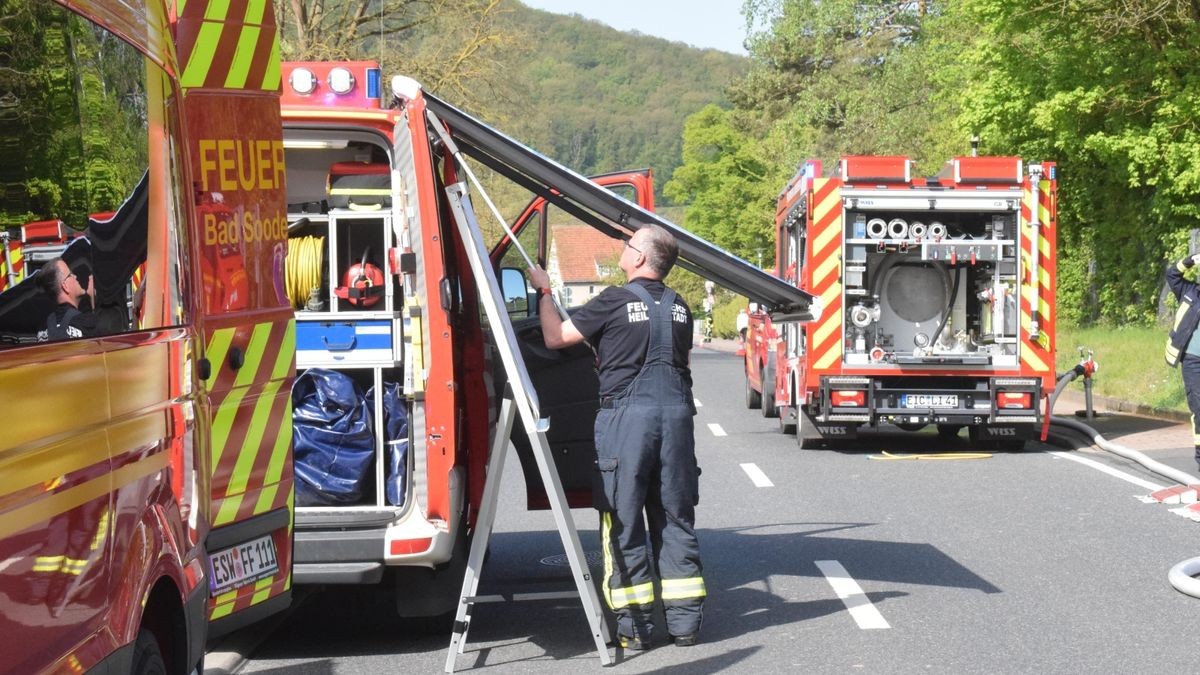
(645, 442)
(1183, 343)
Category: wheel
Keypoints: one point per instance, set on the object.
(948, 431)
(753, 398)
(768, 398)
(147, 656)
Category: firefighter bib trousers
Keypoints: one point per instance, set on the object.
(646, 455)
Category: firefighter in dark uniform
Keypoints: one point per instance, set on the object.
(645, 445)
(73, 316)
(1183, 343)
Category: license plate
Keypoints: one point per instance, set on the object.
(243, 564)
(929, 401)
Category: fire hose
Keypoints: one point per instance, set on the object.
(303, 271)
(1181, 575)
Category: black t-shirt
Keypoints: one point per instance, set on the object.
(618, 326)
(66, 323)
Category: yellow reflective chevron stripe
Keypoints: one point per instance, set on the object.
(236, 46)
(683, 589)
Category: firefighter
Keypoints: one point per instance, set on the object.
(645, 446)
(1183, 343)
(73, 316)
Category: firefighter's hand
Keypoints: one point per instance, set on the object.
(1191, 260)
(539, 277)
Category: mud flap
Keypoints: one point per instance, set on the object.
(1002, 436)
(810, 433)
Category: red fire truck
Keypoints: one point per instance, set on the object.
(387, 312)
(938, 301)
(145, 463)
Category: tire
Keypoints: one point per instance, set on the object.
(753, 398)
(768, 399)
(147, 656)
(948, 431)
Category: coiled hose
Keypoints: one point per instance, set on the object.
(1181, 575)
(303, 270)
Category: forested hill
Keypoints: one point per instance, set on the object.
(598, 99)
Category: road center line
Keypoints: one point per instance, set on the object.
(716, 429)
(756, 475)
(857, 603)
(1107, 469)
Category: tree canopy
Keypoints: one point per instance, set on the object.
(1108, 91)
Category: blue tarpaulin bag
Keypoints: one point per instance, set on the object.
(395, 440)
(334, 441)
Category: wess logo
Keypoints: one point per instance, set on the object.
(1001, 431)
(833, 431)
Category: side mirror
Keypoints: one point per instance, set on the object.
(515, 291)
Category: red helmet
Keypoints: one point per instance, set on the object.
(362, 285)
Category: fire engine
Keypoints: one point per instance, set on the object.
(938, 296)
(145, 465)
(388, 320)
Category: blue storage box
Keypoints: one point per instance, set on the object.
(362, 342)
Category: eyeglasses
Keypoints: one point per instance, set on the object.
(629, 245)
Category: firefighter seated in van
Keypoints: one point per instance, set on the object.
(72, 316)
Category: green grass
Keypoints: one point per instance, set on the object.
(1131, 364)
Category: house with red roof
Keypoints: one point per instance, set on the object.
(582, 262)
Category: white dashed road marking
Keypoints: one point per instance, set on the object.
(757, 476)
(716, 429)
(1108, 470)
(698, 403)
(851, 594)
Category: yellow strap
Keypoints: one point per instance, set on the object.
(939, 455)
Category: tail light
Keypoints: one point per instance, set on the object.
(850, 399)
(1014, 399)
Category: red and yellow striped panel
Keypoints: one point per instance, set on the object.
(1038, 354)
(825, 272)
(12, 261)
(252, 440)
(228, 44)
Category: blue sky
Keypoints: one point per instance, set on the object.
(702, 23)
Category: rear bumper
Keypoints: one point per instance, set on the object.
(967, 402)
(331, 554)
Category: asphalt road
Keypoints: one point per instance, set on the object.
(1026, 562)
